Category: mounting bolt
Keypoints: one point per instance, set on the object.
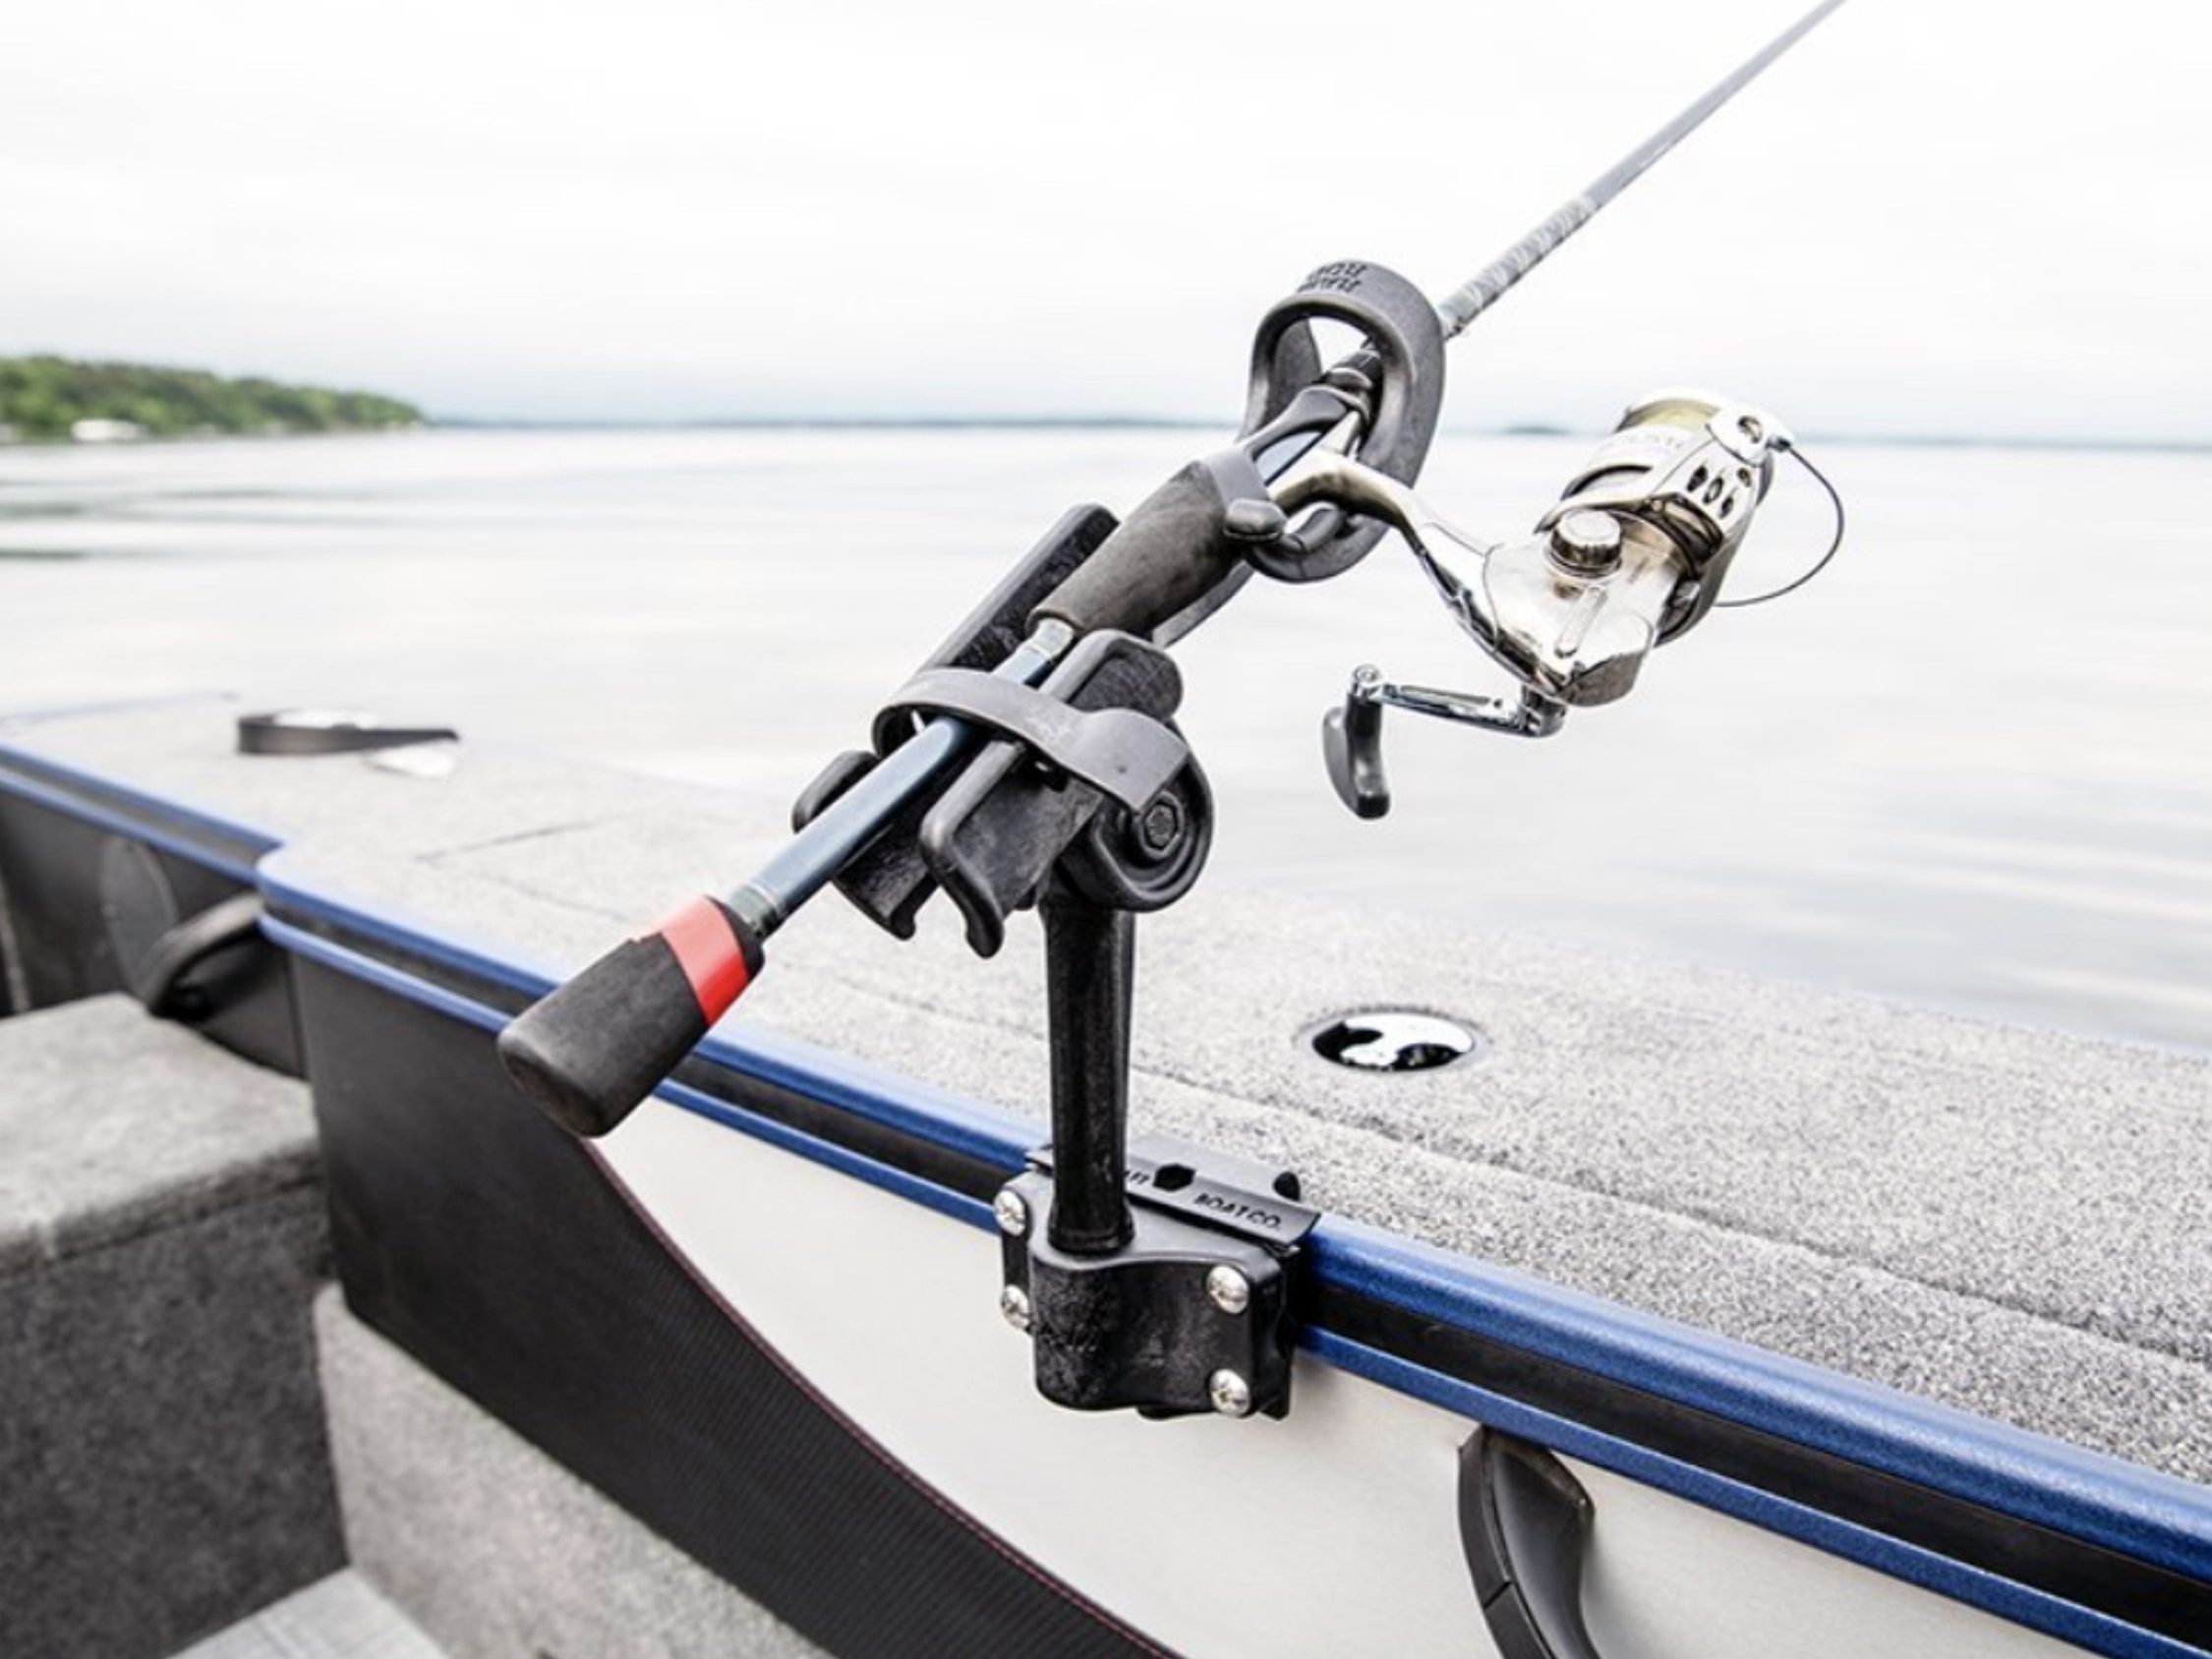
(1013, 1303)
(1013, 1215)
(1161, 826)
(1231, 1394)
(1229, 1289)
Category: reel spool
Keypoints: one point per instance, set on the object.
(1687, 467)
(1635, 552)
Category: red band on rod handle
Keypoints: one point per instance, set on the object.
(589, 1051)
(707, 948)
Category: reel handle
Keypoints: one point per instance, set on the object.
(1352, 747)
(587, 1054)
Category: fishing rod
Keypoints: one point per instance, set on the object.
(1486, 286)
(1632, 555)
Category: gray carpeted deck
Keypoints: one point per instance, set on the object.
(2012, 1221)
(163, 1468)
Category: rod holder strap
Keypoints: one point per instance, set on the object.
(1120, 752)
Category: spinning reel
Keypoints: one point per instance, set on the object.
(1633, 555)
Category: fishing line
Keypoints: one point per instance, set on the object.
(1835, 545)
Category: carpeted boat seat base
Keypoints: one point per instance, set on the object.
(163, 1468)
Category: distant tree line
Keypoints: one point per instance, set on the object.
(43, 397)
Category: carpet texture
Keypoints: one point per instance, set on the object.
(163, 1467)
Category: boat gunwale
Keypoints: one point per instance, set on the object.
(2121, 1522)
(2152, 1522)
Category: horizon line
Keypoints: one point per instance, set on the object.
(1170, 423)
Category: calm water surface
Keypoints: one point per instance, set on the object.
(1970, 768)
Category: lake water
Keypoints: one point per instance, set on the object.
(1972, 766)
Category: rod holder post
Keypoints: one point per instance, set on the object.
(1090, 971)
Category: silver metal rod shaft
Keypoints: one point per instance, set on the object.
(1482, 290)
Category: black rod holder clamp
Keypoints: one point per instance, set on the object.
(1191, 1314)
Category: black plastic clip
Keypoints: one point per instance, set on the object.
(1131, 828)
(1396, 377)
(1117, 751)
(1191, 1315)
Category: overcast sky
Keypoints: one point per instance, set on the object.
(1963, 217)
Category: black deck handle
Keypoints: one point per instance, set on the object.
(157, 978)
(1524, 1522)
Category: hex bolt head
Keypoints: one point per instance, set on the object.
(1230, 1393)
(1012, 1213)
(1013, 1303)
(1229, 1289)
(1161, 826)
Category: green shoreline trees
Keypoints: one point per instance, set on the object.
(45, 397)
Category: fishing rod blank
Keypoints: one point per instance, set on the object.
(1486, 286)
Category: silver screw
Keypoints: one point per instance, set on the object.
(1014, 1302)
(1013, 1213)
(1229, 1289)
(1231, 1394)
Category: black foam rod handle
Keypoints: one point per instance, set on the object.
(590, 1051)
(1171, 553)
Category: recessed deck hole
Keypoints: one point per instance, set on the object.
(1393, 1040)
